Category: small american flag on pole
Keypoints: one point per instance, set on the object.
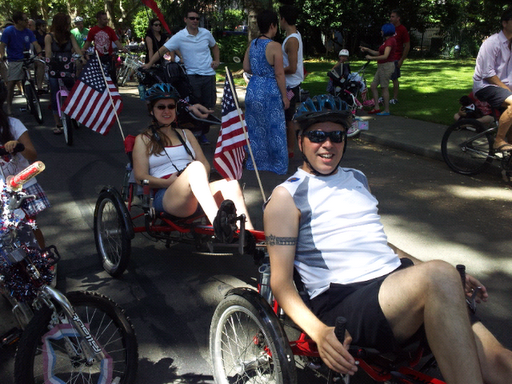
(230, 153)
(89, 102)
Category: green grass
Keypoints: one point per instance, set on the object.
(429, 89)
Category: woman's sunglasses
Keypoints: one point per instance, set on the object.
(168, 106)
(193, 18)
(321, 136)
(157, 25)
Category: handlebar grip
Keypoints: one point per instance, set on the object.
(461, 268)
(18, 148)
(339, 328)
(16, 182)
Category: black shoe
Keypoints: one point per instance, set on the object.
(224, 223)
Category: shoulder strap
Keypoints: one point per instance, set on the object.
(184, 144)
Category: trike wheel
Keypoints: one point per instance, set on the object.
(50, 349)
(248, 345)
(465, 148)
(113, 242)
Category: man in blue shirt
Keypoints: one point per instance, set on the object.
(17, 39)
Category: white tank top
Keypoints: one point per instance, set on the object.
(294, 79)
(162, 164)
(341, 238)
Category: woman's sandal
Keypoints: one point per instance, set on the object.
(58, 130)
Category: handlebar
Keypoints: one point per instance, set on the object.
(17, 181)
(18, 148)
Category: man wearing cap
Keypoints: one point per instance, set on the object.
(293, 67)
(339, 73)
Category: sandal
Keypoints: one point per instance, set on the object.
(58, 130)
(224, 223)
(374, 111)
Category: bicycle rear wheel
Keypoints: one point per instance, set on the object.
(67, 126)
(466, 148)
(51, 350)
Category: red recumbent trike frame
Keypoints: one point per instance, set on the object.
(253, 341)
(119, 216)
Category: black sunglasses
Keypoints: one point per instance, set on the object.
(321, 136)
(168, 106)
(193, 18)
(157, 25)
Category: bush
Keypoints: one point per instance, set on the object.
(231, 46)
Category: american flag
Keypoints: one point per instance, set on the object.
(89, 102)
(230, 153)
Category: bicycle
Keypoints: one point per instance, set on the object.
(467, 147)
(81, 337)
(29, 89)
(253, 341)
(68, 124)
(130, 65)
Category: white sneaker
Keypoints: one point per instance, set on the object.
(393, 101)
(381, 100)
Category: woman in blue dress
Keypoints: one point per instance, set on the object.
(266, 99)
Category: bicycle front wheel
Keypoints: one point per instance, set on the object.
(51, 350)
(248, 345)
(466, 148)
(34, 105)
(67, 127)
(112, 240)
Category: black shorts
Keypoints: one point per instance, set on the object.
(288, 113)
(359, 304)
(396, 74)
(494, 95)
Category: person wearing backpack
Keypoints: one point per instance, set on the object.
(59, 47)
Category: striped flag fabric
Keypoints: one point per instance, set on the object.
(89, 102)
(229, 152)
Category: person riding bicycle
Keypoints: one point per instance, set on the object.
(339, 74)
(170, 159)
(323, 221)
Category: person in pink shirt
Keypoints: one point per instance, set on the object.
(493, 77)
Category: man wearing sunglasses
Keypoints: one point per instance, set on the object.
(196, 46)
(323, 221)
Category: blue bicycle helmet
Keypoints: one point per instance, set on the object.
(161, 91)
(322, 108)
(388, 29)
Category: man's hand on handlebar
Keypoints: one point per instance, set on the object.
(200, 110)
(334, 354)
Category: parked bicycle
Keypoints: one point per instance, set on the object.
(29, 88)
(81, 337)
(467, 147)
(127, 71)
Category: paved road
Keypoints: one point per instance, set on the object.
(171, 294)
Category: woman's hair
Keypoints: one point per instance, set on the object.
(61, 27)
(388, 29)
(5, 127)
(265, 19)
(149, 31)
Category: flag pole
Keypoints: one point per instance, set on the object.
(242, 121)
(109, 95)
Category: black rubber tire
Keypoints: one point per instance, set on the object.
(106, 321)
(248, 344)
(67, 126)
(33, 102)
(464, 150)
(111, 234)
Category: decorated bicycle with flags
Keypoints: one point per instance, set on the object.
(167, 187)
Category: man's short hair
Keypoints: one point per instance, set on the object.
(17, 16)
(289, 13)
(506, 15)
(397, 12)
(100, 13)
(192, 11)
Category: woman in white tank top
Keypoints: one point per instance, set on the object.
(172, 161)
